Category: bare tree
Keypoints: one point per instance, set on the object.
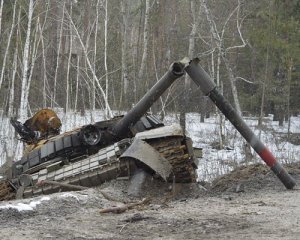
(124, 29)
(109, 112)
(68, 95)
(26, 69)
(265, 78)
(13, 77)
(34, 53)
(145, 41)
(12, 86)
(219, 39)
(53, 99)
(196, 15)
(77, 83)
(41, 28)
(8, 40)
(1, 10)
(95, 56)
(105, 58)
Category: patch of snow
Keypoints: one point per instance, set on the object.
(25, 206)
(69, 195)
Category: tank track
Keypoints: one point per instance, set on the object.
(175, 150)
(106, 165)
(7, 192)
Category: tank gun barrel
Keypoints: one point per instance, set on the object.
(121, 128)
(202, 79)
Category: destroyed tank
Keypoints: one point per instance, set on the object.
(95, 153)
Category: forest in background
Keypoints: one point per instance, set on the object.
(81, 55)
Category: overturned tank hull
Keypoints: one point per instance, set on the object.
(163, 151)
(98, 152)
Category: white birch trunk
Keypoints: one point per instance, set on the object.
(1, 10)
(24, 99)
(53, 100)
(216, 40)
(233, 86)
(195, 26)
(77, 84)
(92, 69)
(69, 64)
(33, 58)
(220, 116)
(124, 48)
(265, 78)
(95, 57)
(45, 81)
(105, 58)
(219, 41)
(191, 50)
(217, 80)
(44, 70)
(15, 64)
(8, 43)
(12, 88)
(145, 41)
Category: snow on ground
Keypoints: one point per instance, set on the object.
(218, 162)
(204, 135)
(20, 206)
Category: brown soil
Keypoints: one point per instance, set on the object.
(249, 203)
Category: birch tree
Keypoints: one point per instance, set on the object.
(105, 58)
(1, 10)
(8, 41)
(13, 77)
(90, 66)
(145, 41)
(219, 39)
(41, 28)
(25, 70)
(34, 52)
(95, 57)
(77, 82)
(69, 63)
(187, 81)
(58, 54)
(12, 85)
(124, 29)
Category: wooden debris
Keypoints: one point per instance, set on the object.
(123, 208)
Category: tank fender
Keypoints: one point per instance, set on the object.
(165, 131)
(145, 153)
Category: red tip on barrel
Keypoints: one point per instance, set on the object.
(276, 167)
(268, 157)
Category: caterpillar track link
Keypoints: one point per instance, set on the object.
(7, 192)
(175, 150)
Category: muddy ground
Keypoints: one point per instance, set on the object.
(249, 203)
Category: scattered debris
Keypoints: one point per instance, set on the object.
(136, 217)
(123, 208)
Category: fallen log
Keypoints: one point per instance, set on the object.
(121, 209)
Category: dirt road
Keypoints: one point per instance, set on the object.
(246, 204)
